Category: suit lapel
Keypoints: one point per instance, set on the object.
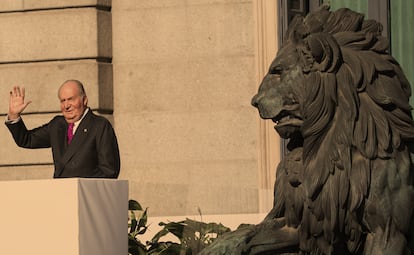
(80, 135)
(61, 146)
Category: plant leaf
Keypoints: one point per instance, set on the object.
(134, 205)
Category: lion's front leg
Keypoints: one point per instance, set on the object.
(231, 243)
(271, 236)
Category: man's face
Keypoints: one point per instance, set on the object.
(72, 104)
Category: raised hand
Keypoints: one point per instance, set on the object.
(16, 102)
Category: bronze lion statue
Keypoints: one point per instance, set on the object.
(346, 183)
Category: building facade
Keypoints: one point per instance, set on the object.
(175, 77)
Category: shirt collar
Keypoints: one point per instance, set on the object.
(79, 121)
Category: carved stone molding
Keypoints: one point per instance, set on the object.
(266, 30)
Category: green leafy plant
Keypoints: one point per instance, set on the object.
(192, 235)
(137, 226)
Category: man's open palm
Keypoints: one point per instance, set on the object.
(16, 102)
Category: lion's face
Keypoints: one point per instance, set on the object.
(280, 95)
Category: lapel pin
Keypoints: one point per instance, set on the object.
(85, 130)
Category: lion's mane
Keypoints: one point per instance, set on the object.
(357, 120)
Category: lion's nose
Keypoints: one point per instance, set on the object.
(255, 100)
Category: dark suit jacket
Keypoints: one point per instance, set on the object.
(93, 152)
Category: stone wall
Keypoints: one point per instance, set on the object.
(175, 78)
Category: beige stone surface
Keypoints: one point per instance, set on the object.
(20, 5)
(142, 4)
(205, 159)
(184, 32)
(213, 185)
(54, 35)
(182, 93)
(42, 80)
(34, 172)
(165, 137)
(194, 85)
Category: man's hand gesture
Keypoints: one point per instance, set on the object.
(17, 103)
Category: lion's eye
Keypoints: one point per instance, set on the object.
(277, 70)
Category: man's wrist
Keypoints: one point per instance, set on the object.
(12, 118)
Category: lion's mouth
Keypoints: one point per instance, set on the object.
(289, 116)
(288, 120)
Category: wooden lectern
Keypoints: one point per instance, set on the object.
(64, 216)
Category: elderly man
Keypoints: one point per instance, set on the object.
(83, 144)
